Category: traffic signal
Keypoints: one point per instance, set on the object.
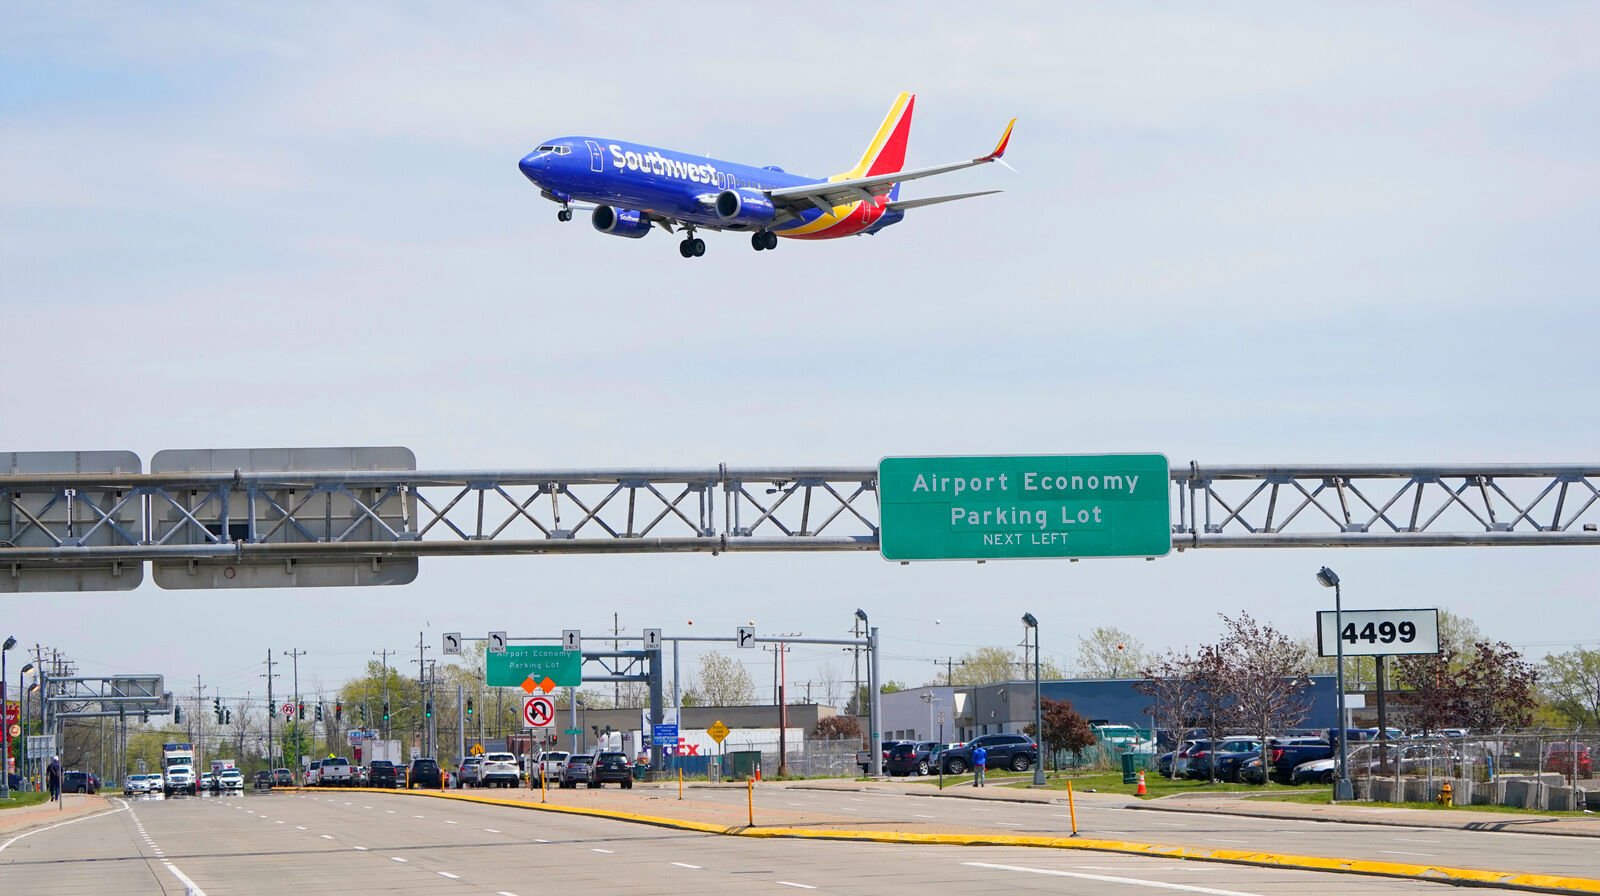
(227, 716)
(177, 715)
(319, 710)
(146, 715)
(216, 708)
(302, 708)
(338, 712)
(428, 713)
(363, 710)
(469, 706)
(386, 710)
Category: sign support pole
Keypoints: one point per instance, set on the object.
(461, 728)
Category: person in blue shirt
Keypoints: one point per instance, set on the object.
(980, 759)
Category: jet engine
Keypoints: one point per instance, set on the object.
(745, 206)
(620, 222)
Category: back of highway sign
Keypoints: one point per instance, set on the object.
(1024, 506)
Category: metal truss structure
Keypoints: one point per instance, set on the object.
(188, 523)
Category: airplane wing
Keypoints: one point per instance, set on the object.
(825, 196)
(903, 204)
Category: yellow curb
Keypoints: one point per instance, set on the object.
(1435, 873)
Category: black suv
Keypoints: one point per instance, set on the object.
(424, 773)
(383, 773)
(909, 758)
(611, 768)
(1017, 752)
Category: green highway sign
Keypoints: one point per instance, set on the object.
(518, 664)
(572, 731)
(1016, 506)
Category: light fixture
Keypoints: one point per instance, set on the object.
(1328, 577)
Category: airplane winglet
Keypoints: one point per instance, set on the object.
(1000, 148)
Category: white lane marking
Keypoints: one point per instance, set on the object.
(193, 888)
(299, 827)
(390, 811)
(1106, 878)
(280, 822)
(687, 865)
(1225, 840)
(790, 883)
(361, 848)
(327, 836)
(1172, 824)
(366, 807)
(491, 830)
(396, 859)
(537, 840)
(504, 893)
(452, 822)
(848, 809)
(448, 874)
(1396, 852)
(923, 816)
(1408, 840)
(1009, 824)
(64, 823)
(416, 816)
(606, 851)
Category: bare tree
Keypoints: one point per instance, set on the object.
(1109, 652)
(1171, 683)
(1270, 678)
(724, 681)
(832, 684)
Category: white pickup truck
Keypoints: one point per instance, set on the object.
(551, 764)
(335, 773)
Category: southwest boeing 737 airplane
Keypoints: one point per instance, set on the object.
(635, 187)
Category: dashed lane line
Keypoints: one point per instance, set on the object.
(790, 883)
(687, 865)
(448, 874)
(1109, 879)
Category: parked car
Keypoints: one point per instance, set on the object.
(611, 768)
(907, 758)
(550, 765)
(312, 769)
(576, 771)
(1186, 749)
(425, 773)
(79, 782)
(1560, 758)
(335, 772)
(383, 773)
(864, 757)
(467, 772)
(230, 779)
(263, 780)
(1286, 754)
(1221, 758)
(208, 782)
(282, 777)
(496, 770)
(1017, 752)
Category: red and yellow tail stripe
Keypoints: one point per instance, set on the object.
(886, 154)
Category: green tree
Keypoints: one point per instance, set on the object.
(1571, 685)
(1108, 652)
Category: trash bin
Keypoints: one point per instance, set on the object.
(1130, 768)
(742, 764)
(639, 771)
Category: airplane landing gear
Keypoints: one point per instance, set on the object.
(692, 247)
(764, 239)
(564, 215)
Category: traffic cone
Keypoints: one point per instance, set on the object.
(1140, 791)
(758, 773)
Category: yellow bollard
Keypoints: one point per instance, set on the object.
(543, 784)
(750, 790)
(680, 784)
(1072, 810)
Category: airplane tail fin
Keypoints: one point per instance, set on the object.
(886, 153)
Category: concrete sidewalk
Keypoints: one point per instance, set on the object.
(17, 819)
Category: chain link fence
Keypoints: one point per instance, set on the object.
(816, 758)
(1544, 770)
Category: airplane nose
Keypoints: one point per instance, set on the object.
(532, 165)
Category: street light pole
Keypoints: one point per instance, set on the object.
(5, 723)
(1038, 709)
(1342, 789)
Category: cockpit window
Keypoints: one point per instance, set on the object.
(546, 148)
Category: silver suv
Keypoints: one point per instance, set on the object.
(499, 770)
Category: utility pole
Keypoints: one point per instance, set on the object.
(272, 710)
(950, 665)
(383, 656)
(855, 631)
(780, 681)
(194, 718)
(422, 688)
(295, 655)
(616, 687)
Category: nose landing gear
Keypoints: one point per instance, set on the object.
(764, 239)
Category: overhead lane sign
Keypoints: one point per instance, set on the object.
(520, 663)
(1019, 506)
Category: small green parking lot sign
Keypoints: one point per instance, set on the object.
(1022, 506)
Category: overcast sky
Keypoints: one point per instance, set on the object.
(1236, 234)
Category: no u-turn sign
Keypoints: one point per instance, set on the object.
(539, 711)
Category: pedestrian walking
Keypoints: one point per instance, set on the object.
(52, 774)
(980, 761)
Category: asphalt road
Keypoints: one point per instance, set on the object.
(287, 843)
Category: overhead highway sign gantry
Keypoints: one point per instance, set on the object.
(373, 525)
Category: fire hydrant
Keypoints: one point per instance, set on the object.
(1445, 794)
